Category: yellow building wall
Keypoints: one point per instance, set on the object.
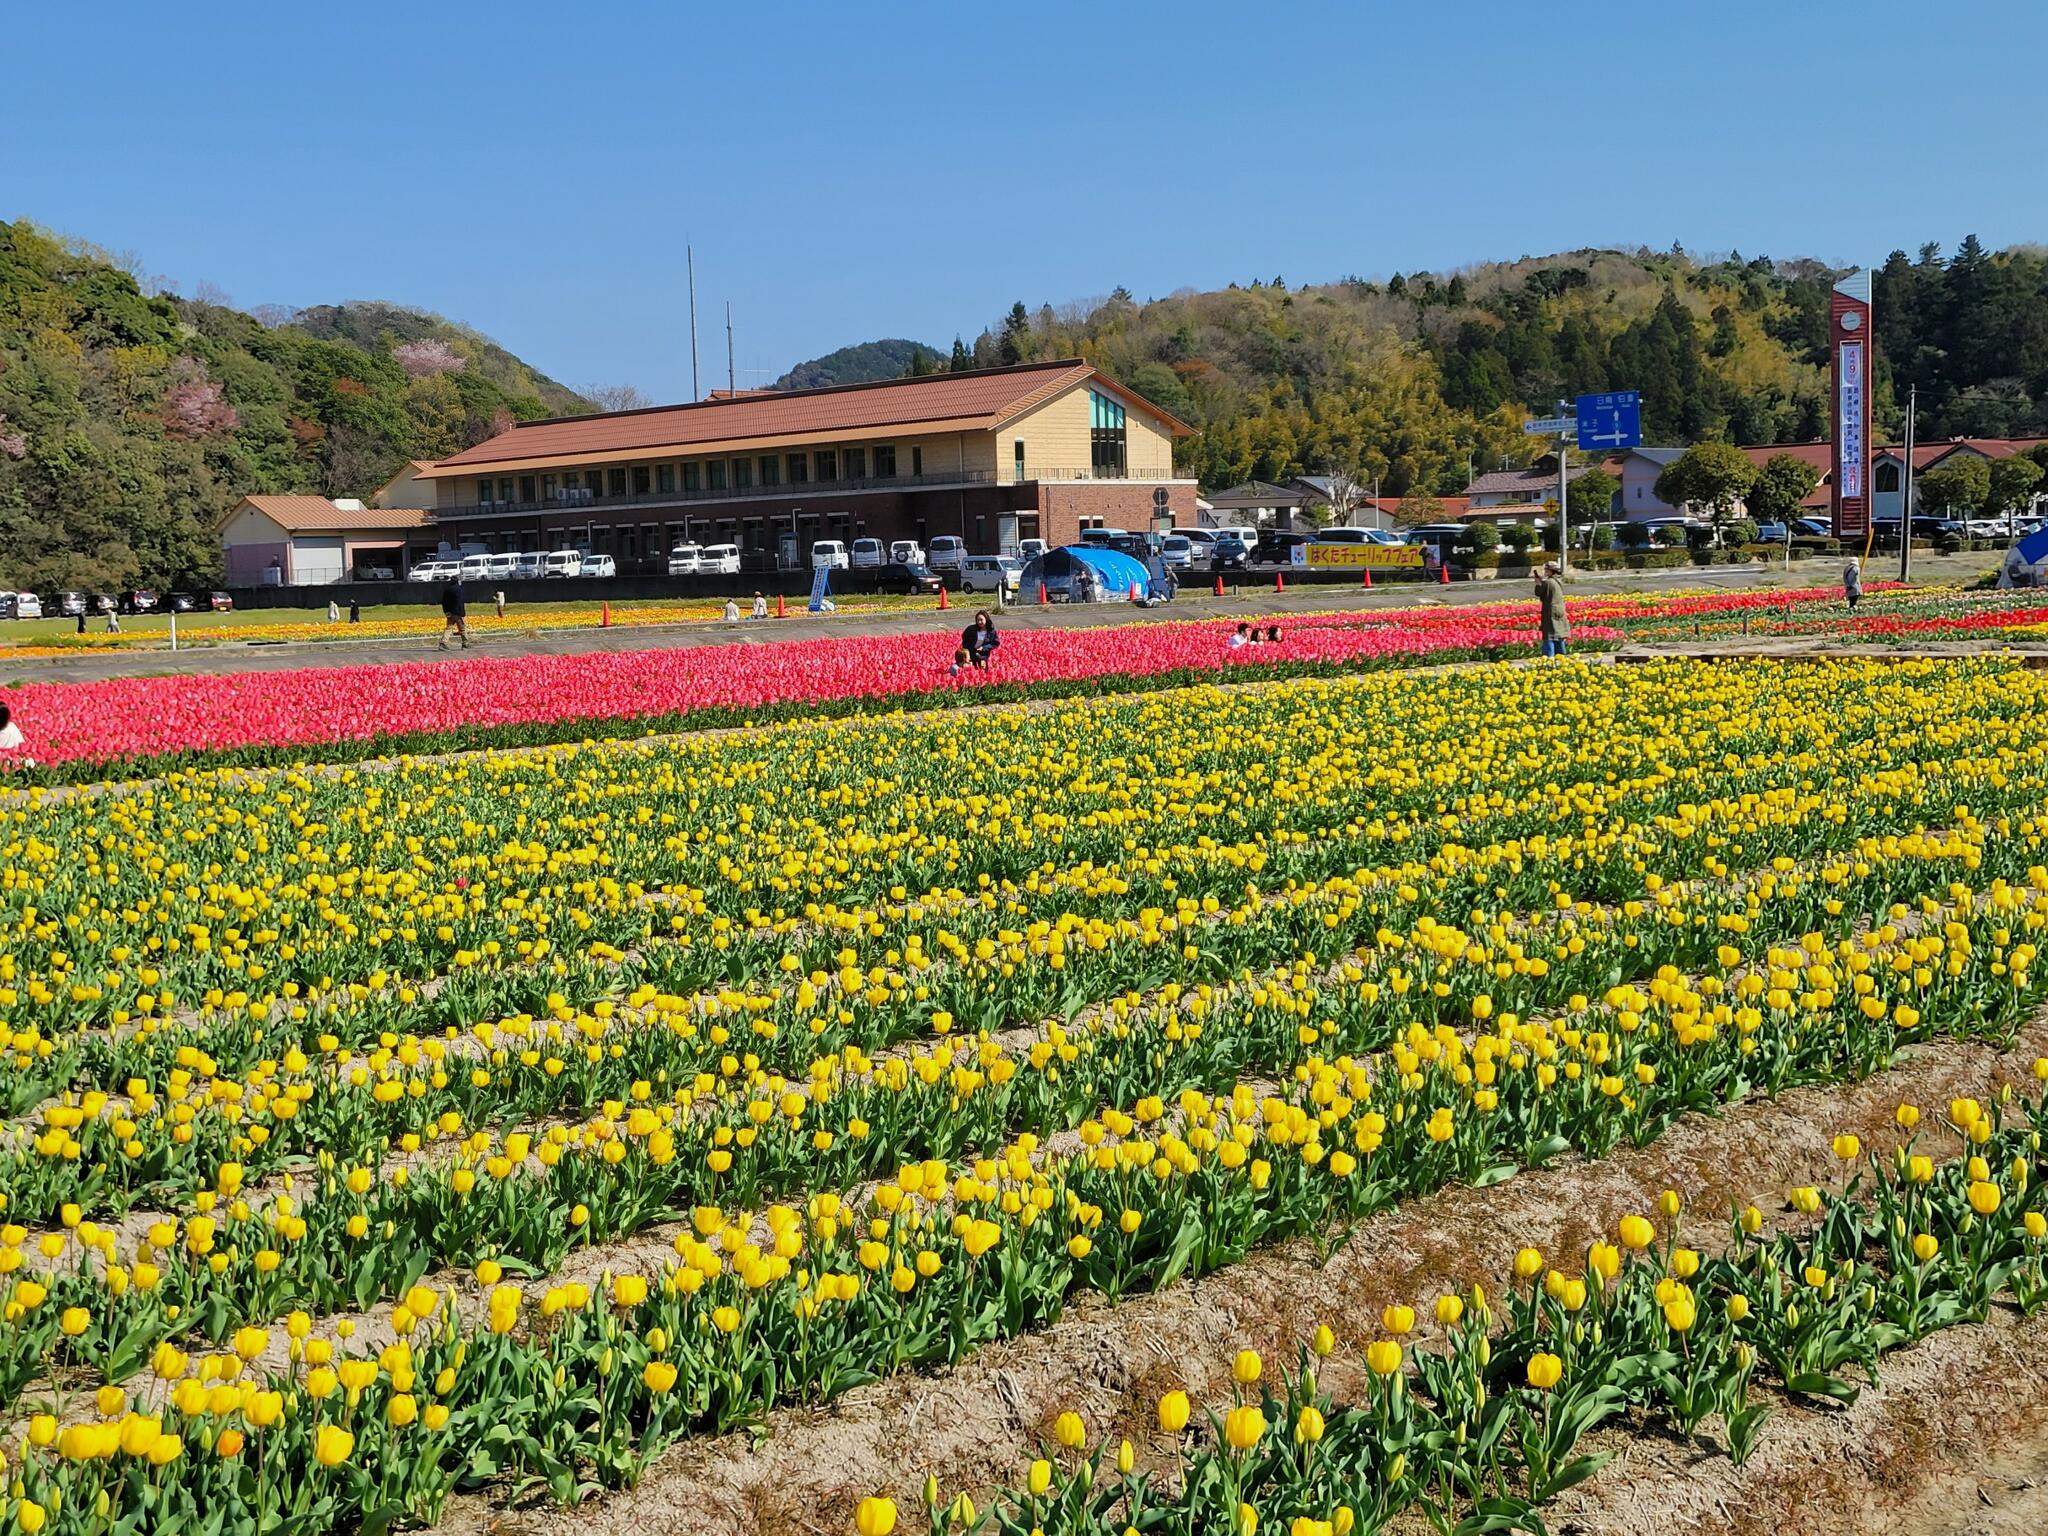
(407, 490)
(1057, 444)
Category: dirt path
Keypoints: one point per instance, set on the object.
(974, 1425)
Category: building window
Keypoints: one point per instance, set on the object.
(484, 493)
(693, 478)
(526, 489)
(1107, 446)
(714, 475)
(742, 474)
(771, 469)
(643, 479)
(665, 479)
(593, 480)
(885, 461)
(916, 463)
(799, 468)
(618, 482)
(1888, 477)
(547, 487)
(505, 488)
(828, 464)
(1017, 458)
(856, 463)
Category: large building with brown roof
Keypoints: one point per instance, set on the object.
(1041, 450)
(309, 541)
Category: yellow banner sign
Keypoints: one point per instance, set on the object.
(1354, 557)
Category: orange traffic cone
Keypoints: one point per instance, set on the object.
(1134, 592)
(942, 597)
(778, 606)
(1443, 573)
(1219, 583)
(1368, 578)
(1279, 581)
(606, 621)
(1042, 598)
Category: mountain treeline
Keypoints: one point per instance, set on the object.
(130, 422)
(1424, 379)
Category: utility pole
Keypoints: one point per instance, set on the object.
(730, 386)
(690, 257)
(1906, 505)
(1564, 491)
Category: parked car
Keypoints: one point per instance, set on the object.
(1199, 540)
(990, 573)
(69, 604)
(220, 602)
(1276, 548)
(182, 602)
(1177, 551)
(504, 563)
(906, 552)
(562, 562)
(529, 564)
(427, 570)
(376, 573)
(1341, 535)
(866, 554)
(1445, 537)
(104, 602)
(911, 579)
(948, 554)
(1227, 552)
(138, 600)
(474, 567)
(829, 554)
(1029, 550)
(1108, 536)
(20, 605)
(599, 565)
(720, 560)
(1773, 533)
(684, 559)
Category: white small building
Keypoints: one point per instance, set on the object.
(309, 541)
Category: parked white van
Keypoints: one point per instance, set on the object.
(1029, 550)
(867, 554)
(504, 564)
(829, 553)
(720, 560)
(528, 564)
(562, 562)
(474, 567)
(990, 573)
(685, 559)
(906, 552)
(948, 553)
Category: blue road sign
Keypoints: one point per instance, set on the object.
(1610, 421)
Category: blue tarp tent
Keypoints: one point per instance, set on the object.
(1111, 574)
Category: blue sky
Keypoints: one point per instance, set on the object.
(854, 171)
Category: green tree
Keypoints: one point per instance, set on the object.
(1716, 476)
(1782, 485)
(2013, 486)
(1013, 346)
(1591, 496)
(1958, 488)
(962, 359)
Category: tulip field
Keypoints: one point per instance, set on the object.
(544, 1129)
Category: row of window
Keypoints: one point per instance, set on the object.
(698, 475)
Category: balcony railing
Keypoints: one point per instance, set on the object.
(581, 500)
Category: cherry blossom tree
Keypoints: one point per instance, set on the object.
(427, 356)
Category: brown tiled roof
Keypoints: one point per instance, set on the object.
(974, 401)
(316, 514)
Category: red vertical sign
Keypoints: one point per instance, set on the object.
(1849, 345)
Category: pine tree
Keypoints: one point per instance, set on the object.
(962, 359)
(1013, 347)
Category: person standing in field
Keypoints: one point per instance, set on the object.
(760, 606)
(499, 597)
(1852, 582)
(1552, 623)
(454, 615)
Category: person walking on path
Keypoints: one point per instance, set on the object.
(980, 640)
(1552, 623)
(1852, 582)
(454, 615)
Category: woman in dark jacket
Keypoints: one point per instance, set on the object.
(979, 639)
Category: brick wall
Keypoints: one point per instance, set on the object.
(1123, 504)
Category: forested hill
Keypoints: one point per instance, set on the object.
(1417, 377)
(890, 358)
(129, 423)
